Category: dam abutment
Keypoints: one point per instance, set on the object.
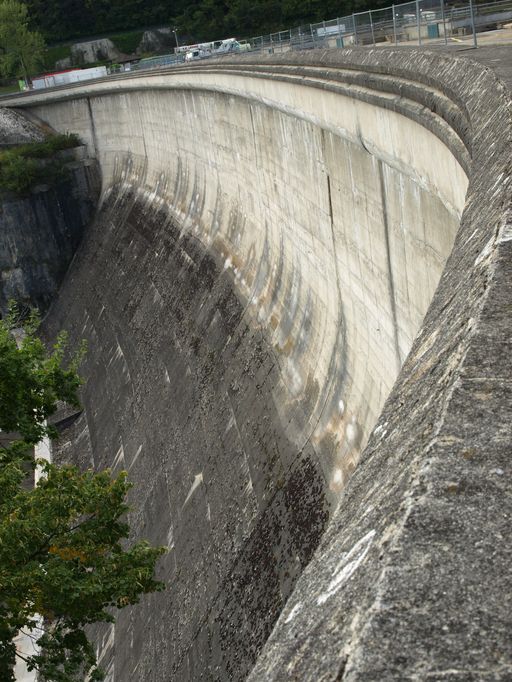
(299, 259)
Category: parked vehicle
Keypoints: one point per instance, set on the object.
(228, 45)
(197, 53)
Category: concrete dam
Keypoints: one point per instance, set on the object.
(296, 295)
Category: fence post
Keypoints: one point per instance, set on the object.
(395, 39)
(472, 14)
(371, 27)
(418, 18)
(444, 23)
(355, 28)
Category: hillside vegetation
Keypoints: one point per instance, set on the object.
(60, 20)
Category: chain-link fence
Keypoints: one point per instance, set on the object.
(416, 23)
(420, 22)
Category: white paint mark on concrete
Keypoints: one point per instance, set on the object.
(486, 251)
(170, 538)
(198, 479)
(139, 450)
(347, 566)
(471, 235)
(107, 643)
(381, 431)
(293, 612)
(381, 427)
(231, 423)
(119, 456)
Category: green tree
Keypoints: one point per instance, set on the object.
(64, 560)
(22, 49)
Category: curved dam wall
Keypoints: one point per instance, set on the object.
(270, 237)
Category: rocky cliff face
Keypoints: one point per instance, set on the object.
(40, 232)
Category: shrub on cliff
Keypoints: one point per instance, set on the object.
(64, 561)
(127, 42)
(23, 167)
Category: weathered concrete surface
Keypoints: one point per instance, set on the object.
(16, 129)
(272, 234)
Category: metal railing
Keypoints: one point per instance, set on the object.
(419, 22)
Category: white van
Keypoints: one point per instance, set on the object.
(196, 53)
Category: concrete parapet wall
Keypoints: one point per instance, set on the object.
(273, 232)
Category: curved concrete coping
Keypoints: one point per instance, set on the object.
(328, 188)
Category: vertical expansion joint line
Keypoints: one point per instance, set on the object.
(338, 289)
(391, 287)
(143, 136)
(93, 128)
(335, 255)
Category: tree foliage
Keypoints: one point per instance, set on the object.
(22, 49)
(26, 165)
(63, 555)
(65, 19)
(212, 19)
(196, 19)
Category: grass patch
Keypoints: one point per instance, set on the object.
(127, 42)
(8, 89)
(27, 165)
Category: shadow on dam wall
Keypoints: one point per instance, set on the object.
(271, 235)
(179, 393)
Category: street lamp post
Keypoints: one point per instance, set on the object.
(175, 31)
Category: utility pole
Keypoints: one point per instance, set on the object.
(175, 31)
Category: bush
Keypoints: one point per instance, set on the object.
(23, 167)
(47, 148)
(127, 42)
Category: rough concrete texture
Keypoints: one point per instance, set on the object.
(16, 129)
(273, 232)
(40, 232)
